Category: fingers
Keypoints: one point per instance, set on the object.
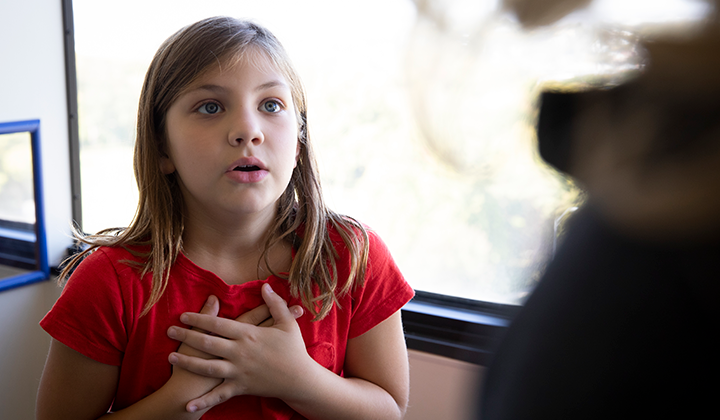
(219, 394)
(212, 345)
(269, 322)
(212, 368)
(208, 321)
(278, 307)
(297, 311)
(211, 307)
(261, 317)
(255, 316)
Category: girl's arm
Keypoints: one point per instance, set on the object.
(74, 386)
(273, 362)
(376, 382)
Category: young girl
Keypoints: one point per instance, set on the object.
(191, 311)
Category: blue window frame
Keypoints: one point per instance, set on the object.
(23, 244)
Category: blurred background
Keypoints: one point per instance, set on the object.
(422, 114)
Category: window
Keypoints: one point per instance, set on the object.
(422, 114)
(23, 251)
(465, 205)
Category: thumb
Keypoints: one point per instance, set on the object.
(211, 307)
(277, 305)
(297, 311)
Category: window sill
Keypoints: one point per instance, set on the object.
(457, 328)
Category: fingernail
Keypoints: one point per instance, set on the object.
(192, 409)
(210, 300)
(297, 311)
(172, 333)
(184, 318)
(268, 287)
(172, 358)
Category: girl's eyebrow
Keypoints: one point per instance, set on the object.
(221, 89)
(272, 84)
(210, 87)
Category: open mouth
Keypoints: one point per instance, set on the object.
(246, 168)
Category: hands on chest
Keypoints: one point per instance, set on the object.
(261, 352)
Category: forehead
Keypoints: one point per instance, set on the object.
(252, 58)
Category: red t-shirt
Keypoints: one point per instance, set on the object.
(98, 315)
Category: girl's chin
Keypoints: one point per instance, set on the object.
(252, 210)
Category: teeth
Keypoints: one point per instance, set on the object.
(246, 168)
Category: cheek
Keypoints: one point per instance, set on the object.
(290, 158)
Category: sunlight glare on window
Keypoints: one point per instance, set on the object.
(422, 114)
(17, 200)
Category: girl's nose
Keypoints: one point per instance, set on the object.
(245, 128)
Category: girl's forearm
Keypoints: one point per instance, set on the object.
(376, 385)
(325, 395)
(74, 386)
(168, 402)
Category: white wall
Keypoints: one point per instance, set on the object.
(32, 86)
(23, 347)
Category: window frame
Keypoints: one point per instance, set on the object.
(19, 238)
(457, 328)
(72, 109)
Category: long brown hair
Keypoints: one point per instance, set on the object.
(303, 219)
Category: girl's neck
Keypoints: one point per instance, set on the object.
(233, 251)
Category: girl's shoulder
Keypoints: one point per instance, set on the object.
(114, 257)
(359, 232)
(383, 290)
(379, 262)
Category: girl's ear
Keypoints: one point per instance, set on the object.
(166, 165)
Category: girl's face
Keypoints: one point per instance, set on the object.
(232, 138)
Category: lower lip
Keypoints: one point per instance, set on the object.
(247, 177)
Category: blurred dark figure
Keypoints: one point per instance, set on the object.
(622, 323)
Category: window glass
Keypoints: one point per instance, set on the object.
(17, 202)
(422, 114)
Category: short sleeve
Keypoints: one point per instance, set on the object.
(384, 292)
(88, 316)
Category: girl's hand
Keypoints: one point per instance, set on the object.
(211, 307)
(193, 384)
(200, 384)
(257, 361)
(259, 316)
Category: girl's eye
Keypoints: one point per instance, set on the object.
(271, 106)
(209, 108)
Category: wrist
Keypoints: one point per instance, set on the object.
(168, 402)
(306, 383)
(186, 385)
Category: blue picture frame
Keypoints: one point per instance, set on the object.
(42, 271)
